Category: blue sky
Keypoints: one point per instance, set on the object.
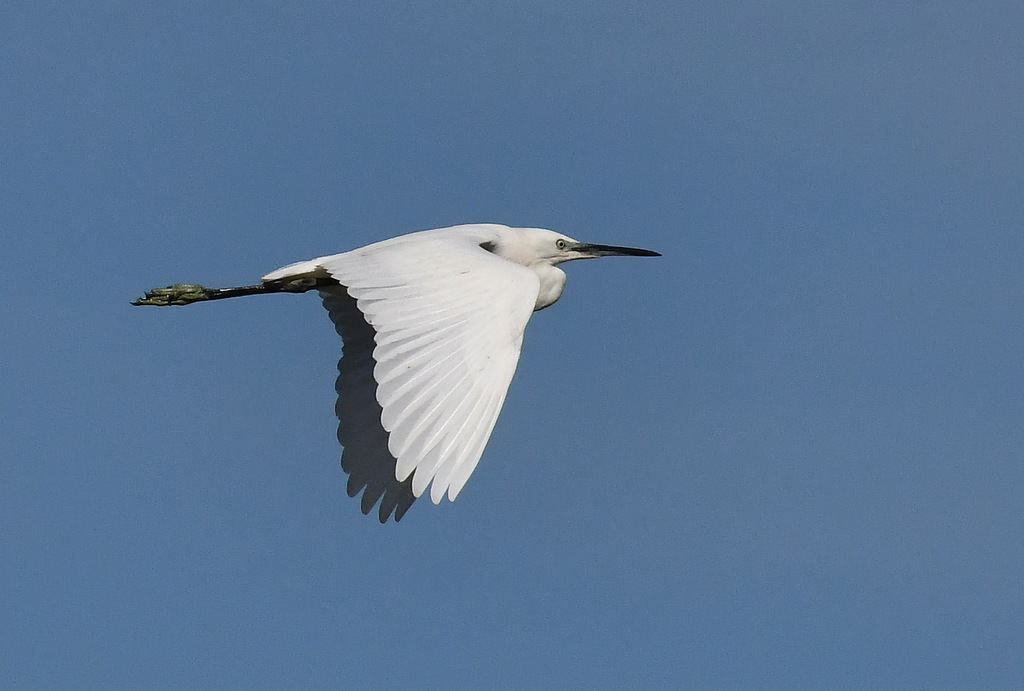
(788, 454)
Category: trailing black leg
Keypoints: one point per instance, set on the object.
(188, 293)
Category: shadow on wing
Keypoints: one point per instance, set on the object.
(365, 456)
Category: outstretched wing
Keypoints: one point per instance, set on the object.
(447, 318)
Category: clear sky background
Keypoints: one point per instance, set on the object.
(787, 454)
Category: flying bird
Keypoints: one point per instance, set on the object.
(432, 325)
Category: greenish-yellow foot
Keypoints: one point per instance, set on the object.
(177, 294)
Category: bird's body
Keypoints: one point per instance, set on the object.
(432, 324)
(515, 245)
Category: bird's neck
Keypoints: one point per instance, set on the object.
(552, 283)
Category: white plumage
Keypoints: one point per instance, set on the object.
(432, 324)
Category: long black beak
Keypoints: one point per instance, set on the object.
(613, 251)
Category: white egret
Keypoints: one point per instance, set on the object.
(432, 324)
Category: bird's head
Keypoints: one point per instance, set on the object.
(536, 246)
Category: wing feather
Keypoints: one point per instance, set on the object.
(456, 474)
(366, 458)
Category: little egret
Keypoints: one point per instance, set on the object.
(431, 325)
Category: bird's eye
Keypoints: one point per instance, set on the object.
(560, 243)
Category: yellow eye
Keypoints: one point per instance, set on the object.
(560, 243)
